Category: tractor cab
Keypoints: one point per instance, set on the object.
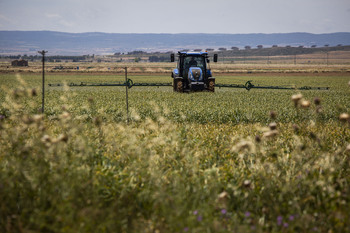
(193, 72)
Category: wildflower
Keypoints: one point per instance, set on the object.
(247, 214)
(195, 212)
(186, 229)
(291, 218)
(305, 104)
(223, 211)
(296, 98)
(273, 126)
(344, 117)
(285, 225)
(279, 220)
(317, 101)
(2, 117)
(199, 218)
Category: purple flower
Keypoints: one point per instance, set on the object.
(247, 214)
(186, 229)
(195, 212)
(223, 211)
(285, 225)
(291, 218)
(279, 220)
(199, 218)
(2, 117)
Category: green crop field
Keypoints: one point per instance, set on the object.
(229, 161)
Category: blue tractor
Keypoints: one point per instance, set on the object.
(193, 72)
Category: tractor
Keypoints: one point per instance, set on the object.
(193, 72)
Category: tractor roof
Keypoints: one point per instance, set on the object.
(193, 53)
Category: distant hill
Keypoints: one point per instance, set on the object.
(60, 43)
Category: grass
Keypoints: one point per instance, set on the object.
(199, 162)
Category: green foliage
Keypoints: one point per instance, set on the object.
(199, 162)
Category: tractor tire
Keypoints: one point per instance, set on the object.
(179, 86)
(211, 86)
(174, 85)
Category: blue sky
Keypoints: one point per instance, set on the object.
(177, 16)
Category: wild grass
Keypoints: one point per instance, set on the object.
(229, 161)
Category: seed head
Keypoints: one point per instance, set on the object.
(312, 135)
(27, 119)
(247, 183)
(296, 128)
(46, 138)
(65, 115)
(257, 138)
(317, 101)
(305, 104)
(347, 148)
(296, 98)
(344, 117)
(318, 109)
(223, 196)
(270, 134)
(273, 126)
(62, 138)
(16, 93)
(97, 121)
(273, 115)
(38, 117)
(33, 92)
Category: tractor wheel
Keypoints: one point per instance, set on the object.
(179, 86)
(211, 87)
(174, 85)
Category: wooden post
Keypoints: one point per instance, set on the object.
(43, 52)
(126, 95)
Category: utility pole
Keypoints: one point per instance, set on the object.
(43, 52)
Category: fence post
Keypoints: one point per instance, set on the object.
(126, 95)
(43, 52)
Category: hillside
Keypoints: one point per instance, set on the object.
(60, 43)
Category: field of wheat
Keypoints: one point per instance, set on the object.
(229, 161)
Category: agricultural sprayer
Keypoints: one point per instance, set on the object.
(192, 73)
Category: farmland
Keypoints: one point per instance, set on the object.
(229, 161)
